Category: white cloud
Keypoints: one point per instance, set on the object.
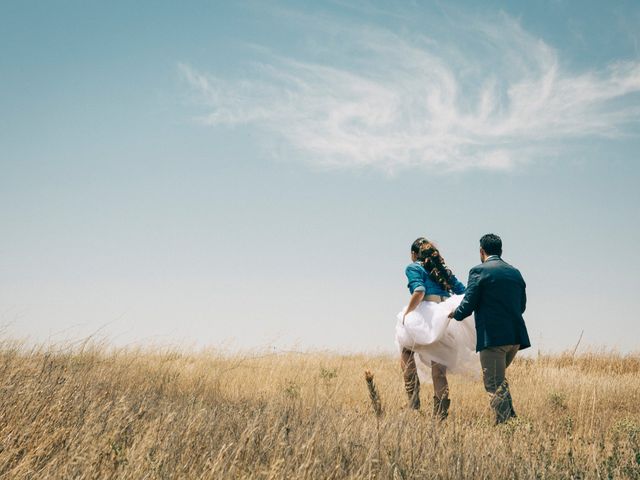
(491, 97)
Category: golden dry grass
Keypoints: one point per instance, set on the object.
(94, 412)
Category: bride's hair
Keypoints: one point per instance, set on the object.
(432, 262)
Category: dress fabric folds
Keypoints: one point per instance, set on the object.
(433, 336)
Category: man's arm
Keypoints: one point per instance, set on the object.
(524, 298)
(471, 297)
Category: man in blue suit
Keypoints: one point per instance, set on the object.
(496, 295)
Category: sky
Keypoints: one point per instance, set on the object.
(250, 175)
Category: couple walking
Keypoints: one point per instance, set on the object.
(431, 342)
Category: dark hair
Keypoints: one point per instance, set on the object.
(432, 262)
(491, 244)
(415, 246)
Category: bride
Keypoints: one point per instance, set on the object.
(426, 337)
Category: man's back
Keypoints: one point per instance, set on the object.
(496, 295)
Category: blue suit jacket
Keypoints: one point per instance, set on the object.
(496, 295)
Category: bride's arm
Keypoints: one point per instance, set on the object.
(471, 295)
(416, 287)
(457, 286)
(416, 298)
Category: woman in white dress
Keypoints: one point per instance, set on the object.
(427, 338)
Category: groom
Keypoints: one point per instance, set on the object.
(496, 293)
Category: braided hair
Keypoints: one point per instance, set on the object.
(432, 262)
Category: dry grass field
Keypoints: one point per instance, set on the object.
(95, 412)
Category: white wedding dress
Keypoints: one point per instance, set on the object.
(433, 336)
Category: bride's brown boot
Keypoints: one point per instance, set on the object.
(410, 376)
(412, 387)
(441, 408)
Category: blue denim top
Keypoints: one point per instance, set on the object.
(419, 281)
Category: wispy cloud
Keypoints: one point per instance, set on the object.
(486, 95)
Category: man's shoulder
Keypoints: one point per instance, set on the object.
(501, 266)
(478, 268)
(493, 265)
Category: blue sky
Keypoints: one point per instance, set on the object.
(251, 174)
